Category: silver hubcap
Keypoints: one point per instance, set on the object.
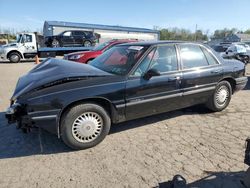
(14, 57)
(87, 44)
(55, 43)
(222, 95)
(87, 127)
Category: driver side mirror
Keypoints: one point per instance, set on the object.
(150, 73)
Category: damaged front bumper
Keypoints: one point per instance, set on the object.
(12, 113)
(47, 120)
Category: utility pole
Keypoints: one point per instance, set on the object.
(196, 32)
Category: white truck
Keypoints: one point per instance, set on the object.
(28, 45)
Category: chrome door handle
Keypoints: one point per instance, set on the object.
(174, 78)
(216, 71)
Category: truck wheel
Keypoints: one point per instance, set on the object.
(87, 43)
(14, 57)
(84, 126)
(221, 97)
(55, 43)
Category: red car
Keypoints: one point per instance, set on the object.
(86, 56)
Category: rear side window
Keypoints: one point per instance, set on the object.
(88, 33)
(78, 33)
(192, 56)
(210, 58)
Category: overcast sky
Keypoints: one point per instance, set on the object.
(207, 14)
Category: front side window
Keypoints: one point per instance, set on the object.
(161, 58)
(192, 56)
(143, 67)
(165, 59)
(119, 60)
(27, 38)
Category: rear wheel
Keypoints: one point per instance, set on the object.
(87, 43)
(84, 126)
(14, 57)
(221, 97)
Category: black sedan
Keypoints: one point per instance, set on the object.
(79, 102)
(72, 38)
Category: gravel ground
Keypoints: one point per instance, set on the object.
(206, 148)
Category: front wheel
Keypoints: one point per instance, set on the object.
(84, 126)
(55, 43)
(221, 97)
(14, 57)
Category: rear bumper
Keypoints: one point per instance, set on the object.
(241, 83)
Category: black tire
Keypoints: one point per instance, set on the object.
(55, 43)
(215, 103)
(87, 43)
(14, 57)
(70, 122)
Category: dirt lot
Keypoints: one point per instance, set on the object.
(140, 153)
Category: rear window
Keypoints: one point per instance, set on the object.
(192, 56)
(210, 58)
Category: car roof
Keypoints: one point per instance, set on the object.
(151, 43)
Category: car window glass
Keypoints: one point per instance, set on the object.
(88, 33)
(142, 68)
(78, 33)
(164, 59)
(27, 38)
(210, 58)
(231, 49)
(68, 33)
(119, 60)
(192, 56)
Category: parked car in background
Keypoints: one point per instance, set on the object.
(220, 48)
(86, 56)
(239, 51)
(72, 38)
(79, 102)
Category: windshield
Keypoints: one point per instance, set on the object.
(119, 60)
(101, 46)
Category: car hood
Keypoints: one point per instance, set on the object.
(9, 45)
(54, 71)
(82, 52)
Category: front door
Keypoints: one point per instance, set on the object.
(78, 37)
(158, 94)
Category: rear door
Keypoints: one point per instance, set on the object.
(201, 72)
(159, 93)
(67, 38)
(78, 37)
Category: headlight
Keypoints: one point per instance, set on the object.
(76, 56)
